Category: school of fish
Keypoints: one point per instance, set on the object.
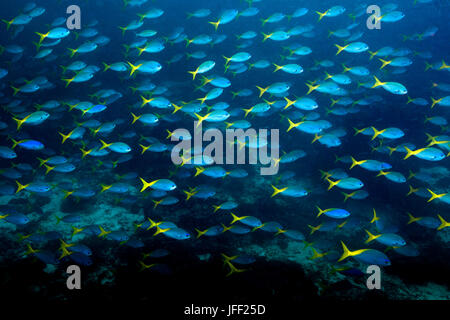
(89, 116)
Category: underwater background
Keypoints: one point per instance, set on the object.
(88, 122)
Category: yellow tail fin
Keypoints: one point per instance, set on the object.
(215, 24)
(377, 82)
(332, 183)
(412, 218)
(277, 191)
(444, 224)
(340, 48)
(135, 118)
(385, 63)
(262, 91)
(321, 14)
(371, 237)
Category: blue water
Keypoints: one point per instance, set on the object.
(33, 242)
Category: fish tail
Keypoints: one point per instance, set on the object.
(376, 133)
(410, 100)
(67, 81)
(372, 54)
(385, 63)
(200, 118)
(291, 125)
(42, 36)
(320, 211)
(346, 253)
(262, 91)
(176, 108)
(144, 148)
(411, 190)
(84, 152)
(215, 24)
(20, 186)
(444, 223)
(266, 36)
(8, 23)
(288, 102)
(41, 161)
(339, 48)
(203, 99)
(247, 111)
(370, 237)
(358, 131)
(277, 67)
(354, 163)
(72, 52)
(199, 232)
(346, 69)
(381, 173)
(311, 88)
(127, 49)
(104, 144)
(67, 193)
(146, 184)
(227, 60)
(412, 218)
(316, 137)
(64, 137)
(141, 50)
(411, 175)
(277, 191)
(106, 66)
(444, 65)
(194, 74)
(233, 269)
(347, 195)
(156, 203)
(374, 218)
(434, 102)
(314, 229)
(377, 82)
(409, 153)
(133, 68)
(391, 150)
(141, 16)
(16, 90)
(30, 250)
(199, 170)
(321, 15)
(332, 183)
(135, 118)
(235, 218)
(64, 69)
(123, 30)
(433, 195)
(49, 168)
